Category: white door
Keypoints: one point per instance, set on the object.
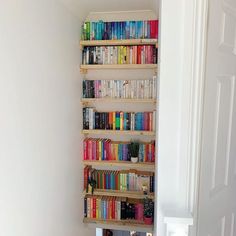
(217, 193)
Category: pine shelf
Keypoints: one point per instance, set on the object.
(128, 164)
(120, 225)
(85, 68)
(118, 132)
(129, 100)
(120, 193)
(124, 42)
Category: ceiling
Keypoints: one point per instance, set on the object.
(82, 7)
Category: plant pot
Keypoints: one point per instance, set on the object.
(148, 220)
(134, 159)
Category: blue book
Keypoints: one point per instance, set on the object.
(127, 29)
(109, 30)
(137, 29)
(113, 30)
(118, 30)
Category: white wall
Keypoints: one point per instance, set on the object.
(174, 110)
(40, 120)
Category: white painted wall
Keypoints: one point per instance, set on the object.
(40, 120)
(175, 70)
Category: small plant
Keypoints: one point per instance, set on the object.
(133, 148)
(148, 206)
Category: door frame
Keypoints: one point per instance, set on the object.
(200, 30)
(189, 53)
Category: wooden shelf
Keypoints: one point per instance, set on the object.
(118, 132)
(129, 100)
(119, 193)
(129, 225)
(118, 42)
(127, 164)
(85, 68)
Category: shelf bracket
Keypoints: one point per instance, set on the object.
(83, 71)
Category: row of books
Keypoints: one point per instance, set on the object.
(108, 150)
(124, 180)
(135, 89)
(112, 208)
(118, 120)
(106, 55)
(119, 30)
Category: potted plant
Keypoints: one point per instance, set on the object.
(148, 212)
(133, 148)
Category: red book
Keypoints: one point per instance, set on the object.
(153, 151)
(97, 150)
(85, 149)
(90, 149)
(150, 121)
(156, 29)
(110, 208)
(109, 150)
(94, 207)
(94, 149)
(85, 177)
(139, 54)
(113, 208)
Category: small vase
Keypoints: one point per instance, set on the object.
(134, 159)
(148, 220)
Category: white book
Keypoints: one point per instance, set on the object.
(91, 117)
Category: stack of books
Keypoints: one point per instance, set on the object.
(101, 30)
(108, 150)
(124, 180)
(135, 89)
(110, 55)
(118, 120)
(112, 208)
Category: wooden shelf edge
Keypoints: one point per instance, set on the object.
(118, 193)
(147, 166)
(119, 132)
(125, 224)
(130, 100)
(119, 42)
(84, 68)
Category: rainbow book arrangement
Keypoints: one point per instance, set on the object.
(101, 30)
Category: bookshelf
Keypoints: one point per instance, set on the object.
(118, 42)
(122, 164)
(84, 68)
(118, 193)
(120, 100)
(119, 132)
(104, 174)
(129, 225)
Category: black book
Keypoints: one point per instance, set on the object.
(123, 210)
(91, 86)
(128, 121)
(97, 120)
(85, 207)
(107, 126)
(84, 118)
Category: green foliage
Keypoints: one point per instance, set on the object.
(133, 148)
(148, 205)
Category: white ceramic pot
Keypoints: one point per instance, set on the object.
(134, 159)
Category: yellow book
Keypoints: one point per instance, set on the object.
(100, 149)
(125, 55)
(121, 120)
(114, 120)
